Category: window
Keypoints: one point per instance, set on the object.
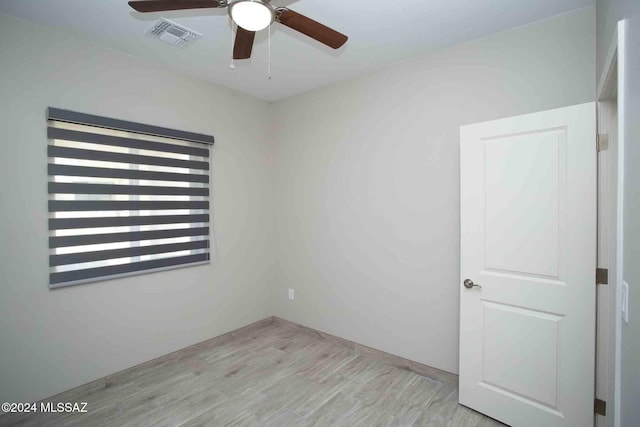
(124, 198)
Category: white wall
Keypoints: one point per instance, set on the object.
(630, 410)
(52, 340)
(630, 350)
(609, 13)
(367, 182)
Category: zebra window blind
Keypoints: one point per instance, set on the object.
(124, 198)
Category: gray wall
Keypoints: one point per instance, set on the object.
(367, 182)
(54, 340)
(609, 12)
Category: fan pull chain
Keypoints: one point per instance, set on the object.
(269, 43)
(233, 24)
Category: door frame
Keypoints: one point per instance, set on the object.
(610, 95)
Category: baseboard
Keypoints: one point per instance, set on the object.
(379, 355)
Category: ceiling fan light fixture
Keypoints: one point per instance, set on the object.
(252, 15)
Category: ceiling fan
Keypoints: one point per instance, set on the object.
(250, 16)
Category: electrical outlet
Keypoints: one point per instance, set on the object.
(292, 295)
(625, 302)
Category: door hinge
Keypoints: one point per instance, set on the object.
(602, 276)
(600, 407)
(602, 142)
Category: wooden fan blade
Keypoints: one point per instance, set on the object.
(162, 5)
(311, 28)
(244, 43)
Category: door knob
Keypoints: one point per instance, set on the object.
(468, 283)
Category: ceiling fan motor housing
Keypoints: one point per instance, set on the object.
(252, 15)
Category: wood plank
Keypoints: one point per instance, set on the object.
(269, 374)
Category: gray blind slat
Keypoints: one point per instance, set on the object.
(119, 221)
(106, 156)
(69, 276)
(123, 205)
(109, 123)
(68, 170)
(76, 258)
(81, 188)
(118, 141)
(92, 239)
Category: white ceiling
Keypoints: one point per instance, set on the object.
(380, 32)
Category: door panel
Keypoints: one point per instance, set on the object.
(528, 238)
(528, 200)
(507, 339)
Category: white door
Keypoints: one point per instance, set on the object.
(528, 228)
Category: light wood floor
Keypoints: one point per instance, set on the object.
(269, 375)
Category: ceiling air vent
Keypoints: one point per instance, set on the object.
(173, 33)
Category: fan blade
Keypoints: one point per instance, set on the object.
(162, 5)
(311, 28)
(243, 44)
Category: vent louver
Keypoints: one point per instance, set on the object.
(170, 32)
